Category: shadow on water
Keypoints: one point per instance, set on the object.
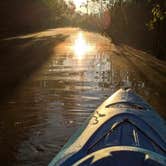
(20, 57)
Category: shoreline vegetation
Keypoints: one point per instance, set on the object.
(139, 23)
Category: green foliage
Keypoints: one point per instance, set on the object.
(158, 15)
(140, 23)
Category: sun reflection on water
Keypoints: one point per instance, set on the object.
(81, 47)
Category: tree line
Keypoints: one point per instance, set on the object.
(21, 16)
(140, 23)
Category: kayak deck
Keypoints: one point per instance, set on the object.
(124, 119)
(126, 130)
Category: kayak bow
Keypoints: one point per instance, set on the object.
(124, 130)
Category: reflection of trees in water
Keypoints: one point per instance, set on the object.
(57, 81)
(100, 70)
(20, 117)
(107, 74)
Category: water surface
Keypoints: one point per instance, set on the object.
(80, 73)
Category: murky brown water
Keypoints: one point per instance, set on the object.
(47, 108)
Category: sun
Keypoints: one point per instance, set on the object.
(81, 47)
(79, 2)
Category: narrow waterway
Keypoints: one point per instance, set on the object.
(47, 107)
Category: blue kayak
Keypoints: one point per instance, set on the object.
(123, 131)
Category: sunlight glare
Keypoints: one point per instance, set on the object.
(78, 3)
(81, 47)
